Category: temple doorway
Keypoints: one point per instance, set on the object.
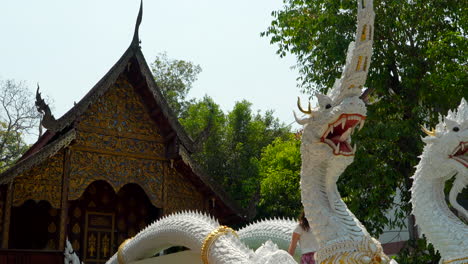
(100, 220)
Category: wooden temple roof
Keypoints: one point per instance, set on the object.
(61, 132)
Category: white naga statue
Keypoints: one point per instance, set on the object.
(70, 254)
(200, 233)
(326, 152)
(444, 156)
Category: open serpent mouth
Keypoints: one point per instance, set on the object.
(338, 133)
(460, 153)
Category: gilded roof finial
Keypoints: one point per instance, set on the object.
(136, 39)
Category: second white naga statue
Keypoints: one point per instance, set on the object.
(445, 156)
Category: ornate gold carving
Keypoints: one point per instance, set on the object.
(76, 228)
(358, 66)
(42, 182)
(120, 109)
(100, 221)
(76, 245)
(118, 171)
(363, 34)
(91, 204)
(92, 245)
(211, 238)
(97, 227)
(52, 228)
(105, 246)
(77, 212)
(95, 142)
(181, 194)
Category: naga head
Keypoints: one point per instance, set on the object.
(445, 154)
(447, 144)
(332, 123)
(329, 126)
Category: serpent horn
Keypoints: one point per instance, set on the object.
(309, 111)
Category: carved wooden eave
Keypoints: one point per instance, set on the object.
(38, 157)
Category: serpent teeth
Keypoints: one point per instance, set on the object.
(361, 124)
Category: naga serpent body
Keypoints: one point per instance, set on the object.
(444, 157)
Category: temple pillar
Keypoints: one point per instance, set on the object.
(7, 216)
(64, 203)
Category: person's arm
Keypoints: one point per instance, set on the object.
(292, 246)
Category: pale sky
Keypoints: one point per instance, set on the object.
(67, 46)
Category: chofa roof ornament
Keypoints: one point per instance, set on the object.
(48, 120)
(136, 39)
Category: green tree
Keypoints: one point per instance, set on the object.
(418, 70)
(211, 153)
(231, 152)
(18, 117)
(175, 79)
(279, 169)
(247, 134)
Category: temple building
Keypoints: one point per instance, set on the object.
(115, 162)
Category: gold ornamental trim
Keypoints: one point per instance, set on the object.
(211, 238)
(116, 133)
(114, 153)
(453, 260)
(120, 258)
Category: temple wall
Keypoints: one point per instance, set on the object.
(180, 194)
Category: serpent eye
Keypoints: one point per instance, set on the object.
(456, 129)
(328, 106)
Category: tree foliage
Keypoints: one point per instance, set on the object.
(18, 117)
(232, 151)
(175, 78)
(280, 167)
(419, 69)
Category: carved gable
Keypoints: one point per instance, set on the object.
(117, 141)
(120, 111)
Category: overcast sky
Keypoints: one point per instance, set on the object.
(67, 46)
